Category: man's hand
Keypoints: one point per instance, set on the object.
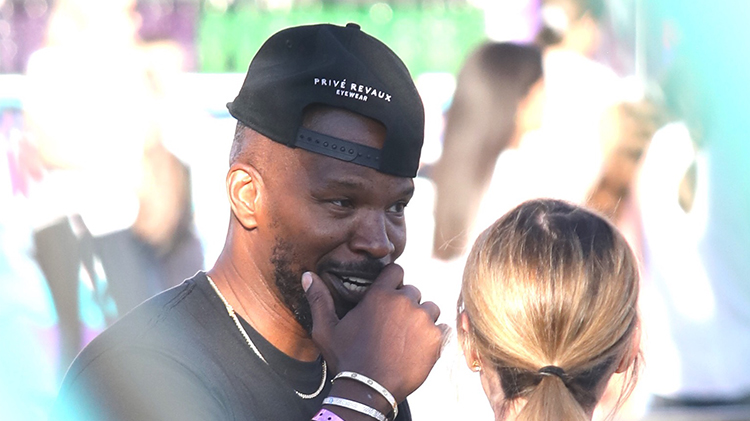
(389, 336)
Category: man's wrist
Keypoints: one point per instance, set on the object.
(360, 393)
(372, 384)
(356, 406)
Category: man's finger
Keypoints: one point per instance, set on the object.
(432, 309)
(321, 305)
(391, 277)
(412, 292)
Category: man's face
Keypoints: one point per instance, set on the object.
(343, 221)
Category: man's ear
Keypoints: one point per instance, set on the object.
(244, 187)
(631, 353)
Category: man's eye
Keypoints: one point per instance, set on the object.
(344, 203)
(397, 207)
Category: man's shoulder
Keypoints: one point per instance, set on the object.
(155, 353)
(159, 323)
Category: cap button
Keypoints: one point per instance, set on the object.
(352, 25)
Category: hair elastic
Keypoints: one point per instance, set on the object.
(552, 370)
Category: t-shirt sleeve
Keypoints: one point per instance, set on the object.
(133, 384)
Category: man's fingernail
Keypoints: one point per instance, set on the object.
(306, 280)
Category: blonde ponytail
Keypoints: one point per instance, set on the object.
(550, 292)
(551, 400)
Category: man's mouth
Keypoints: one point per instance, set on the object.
(348, 282)
(351, 287)
(355, 284)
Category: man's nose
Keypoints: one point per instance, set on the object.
(371, 236)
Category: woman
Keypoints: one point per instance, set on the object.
(547, 311)
(499, 97)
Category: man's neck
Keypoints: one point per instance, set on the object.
(252, 299)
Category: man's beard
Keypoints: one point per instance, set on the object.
(288, 281)
(289, 284)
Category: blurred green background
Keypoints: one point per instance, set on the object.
(429, 38)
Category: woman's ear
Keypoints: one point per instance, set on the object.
(470, 354)
(244, 188)
(633, 350)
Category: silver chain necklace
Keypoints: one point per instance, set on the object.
(252, 346)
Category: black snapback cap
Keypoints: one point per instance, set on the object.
(340, 67)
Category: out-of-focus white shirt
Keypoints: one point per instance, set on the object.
(696, 286)
(93, 114)
(564, 157)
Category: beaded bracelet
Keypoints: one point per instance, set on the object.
(326, 415)
(354, 406)
(373, 385)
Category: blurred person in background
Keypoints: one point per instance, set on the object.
(597, 123)
(582, 95)
(593, 128)
(562, 128)
(498, 97)
(689, 216)
(548, 311)
(112, 203)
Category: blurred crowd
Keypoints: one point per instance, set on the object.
(104, 205)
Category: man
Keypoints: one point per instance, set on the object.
(329, 132)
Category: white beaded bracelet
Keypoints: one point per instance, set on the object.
(373, 385)
(354, 406)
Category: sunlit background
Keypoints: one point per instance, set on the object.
(113, 117)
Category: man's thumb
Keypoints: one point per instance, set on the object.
(321, 305)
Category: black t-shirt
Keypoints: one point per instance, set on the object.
(179, 356)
